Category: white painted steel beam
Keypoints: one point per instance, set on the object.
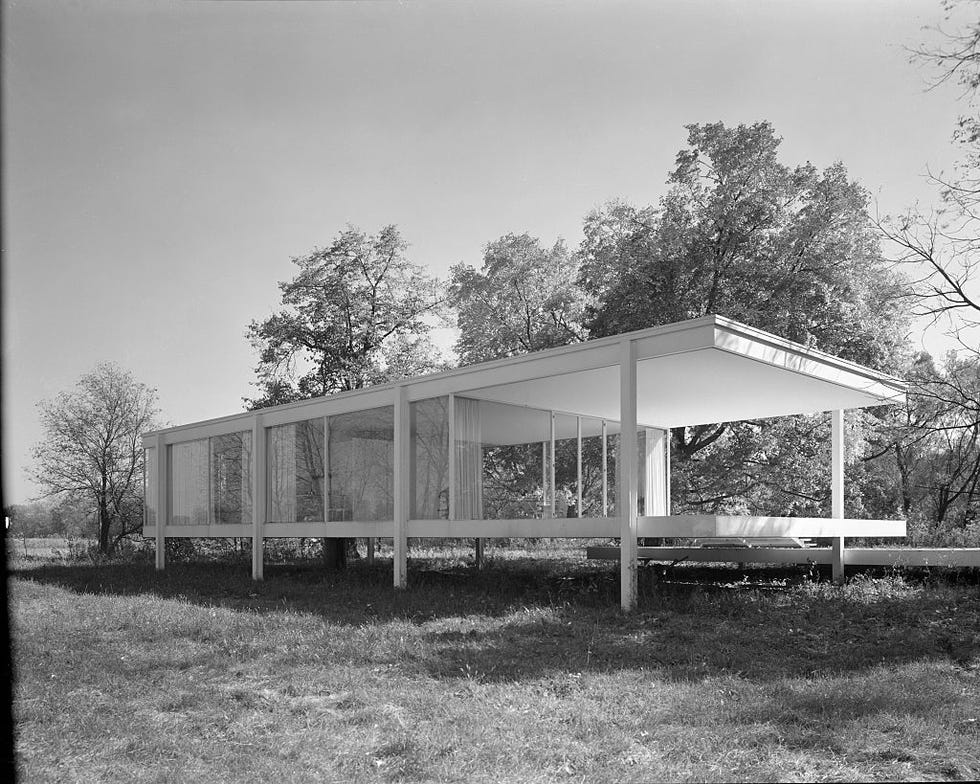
(348, 529)
(768, 555)
(551, 469)
(711, 526)
(568, 527)
(453, 489)
(707, 345)
(403, 456)
(578, 466)
(626, 475)
(259, 505)
(222, 531)
(605, 469)
(837, 487)
(163, 502)
(951, 557)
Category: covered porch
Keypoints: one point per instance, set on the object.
(578, 439)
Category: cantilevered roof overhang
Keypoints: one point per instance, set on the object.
(702, 371)
(695, 372)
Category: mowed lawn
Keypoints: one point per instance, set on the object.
(525, 670)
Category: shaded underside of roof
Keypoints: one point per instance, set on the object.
(696, 372)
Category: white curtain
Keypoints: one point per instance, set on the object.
(654, 466)
(282, 474)
(189, 483)
(469, 460)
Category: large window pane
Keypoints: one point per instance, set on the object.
(296, 472)
(189, 483)
(231, 478)
(469, 459)
(430, 459)
(360, 475)
(150, 487)
(516, 461)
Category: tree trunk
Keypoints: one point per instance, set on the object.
(903, 474)
(335, 554)
(105, 543)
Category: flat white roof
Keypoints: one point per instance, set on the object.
(706, 370)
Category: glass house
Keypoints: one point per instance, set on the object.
(407, 459)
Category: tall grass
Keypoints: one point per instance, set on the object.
(522, 671)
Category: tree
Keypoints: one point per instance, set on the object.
(937, 450)
(523, 299)
(92, 452)
(354, 315)
(943, 248)
(791, 250)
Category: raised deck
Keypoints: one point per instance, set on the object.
(853, 556)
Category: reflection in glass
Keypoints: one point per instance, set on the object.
(231, 473)
(430, 459)
(189, 483)
(296, 475)
(360, 476)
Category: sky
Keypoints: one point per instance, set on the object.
(163, 162)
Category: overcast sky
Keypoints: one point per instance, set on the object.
(164, 161)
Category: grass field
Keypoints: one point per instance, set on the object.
(46, 548)
(522, 671)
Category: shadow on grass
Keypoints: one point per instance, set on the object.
(520, 619)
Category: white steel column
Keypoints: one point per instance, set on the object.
(605, 470)
(578, 464)
(452, 457)
(837, 488)
(544, 479)
(551, 467)
(163, 505)
(626, 475)
(403, 455)
(259, 506)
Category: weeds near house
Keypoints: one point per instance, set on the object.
(522, 671)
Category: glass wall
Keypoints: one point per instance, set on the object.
(150, 486)
(341, 468)
(231, 478)
(296, 476)
(430, 459)
(189, 482)
(591, 468)
(360, 465)
(516, 464)
(210, 481)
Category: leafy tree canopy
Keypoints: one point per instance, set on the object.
(92, 452)
(354, 315)
(524, 298)
(740, 234)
